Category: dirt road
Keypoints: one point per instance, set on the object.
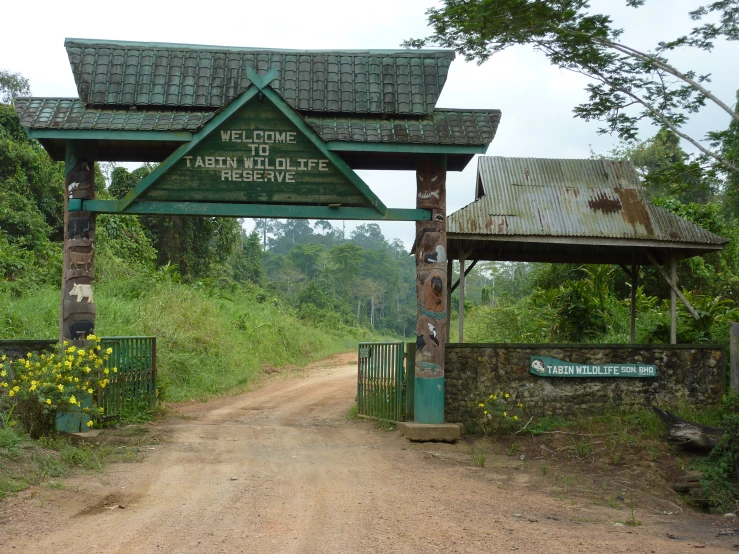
(282, 469)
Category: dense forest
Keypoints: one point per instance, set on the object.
(323, 276)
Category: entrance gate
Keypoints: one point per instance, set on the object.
(239, 132)
(381, 381)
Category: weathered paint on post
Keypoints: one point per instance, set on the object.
(431, 288)
(77, 319)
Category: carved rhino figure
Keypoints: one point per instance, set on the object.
(82, 291)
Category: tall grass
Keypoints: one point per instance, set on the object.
(208, 342)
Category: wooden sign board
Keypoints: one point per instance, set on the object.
(545, 366)
(256, 156)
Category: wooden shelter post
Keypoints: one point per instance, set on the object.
(461, 299)
(634, 285)
(673, 300)
(449, 279)
(77, 315)
(431, 289)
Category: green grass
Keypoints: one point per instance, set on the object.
(208, 342)
(25, 462)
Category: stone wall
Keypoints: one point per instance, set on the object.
(15, 349)
(685, 373)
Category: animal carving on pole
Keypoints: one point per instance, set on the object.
(82, 292)
(83, 259)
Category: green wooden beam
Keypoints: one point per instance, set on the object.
(345, 146)
(213, 209)
(78, 134)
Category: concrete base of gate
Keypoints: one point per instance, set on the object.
(429, 432)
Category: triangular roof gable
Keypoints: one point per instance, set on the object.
(256, 150)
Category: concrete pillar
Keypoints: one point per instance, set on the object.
(77, 314)
(431, 289)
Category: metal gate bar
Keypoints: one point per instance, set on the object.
(381, 380)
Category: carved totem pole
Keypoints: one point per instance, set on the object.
(77, 307)
(431, 290)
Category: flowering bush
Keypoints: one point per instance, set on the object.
(33, 389)
(499, 413)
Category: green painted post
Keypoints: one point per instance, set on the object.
(431, 283)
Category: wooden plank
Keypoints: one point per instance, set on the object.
(79, 134)
(673, 286)
(634, 285)
(466, 272)
(462, 274)
(734, 348)
(346, 146)
(673, 300)
(257, 210)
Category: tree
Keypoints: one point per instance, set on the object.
(12, 85)
(264, 226)
(323, 225)
(195, 244)
(728, 142)
(247, 265)
(574, 39)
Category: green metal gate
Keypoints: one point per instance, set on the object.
(136, 378)
(381, 380)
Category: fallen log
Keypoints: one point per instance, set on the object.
(689, 435)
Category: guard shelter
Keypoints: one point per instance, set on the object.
(246, 132)
(572, 211)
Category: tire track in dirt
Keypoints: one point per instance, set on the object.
(281, 469)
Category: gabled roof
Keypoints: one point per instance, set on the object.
(119, 73)
(443, 126)
(586, 205)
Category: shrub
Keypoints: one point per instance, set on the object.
(33, 389)
(499, 413)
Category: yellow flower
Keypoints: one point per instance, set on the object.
(48, 401)
(72, 400)
(115, 370)
(89, 423)
(11, 393)
(100, 409)
(505, 414)
(60, 387)
(515, 417)
(507, 395)
(106, 371)
(89, 391)
(520, 405)
(71, 350)
(481, 404)
(76, 379)
(91, 337)
(3, 373)
(495, 398)
(491, 397)
(485, 412)
(4, 385)
(108, 351)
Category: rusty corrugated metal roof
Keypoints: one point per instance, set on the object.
(568, 198)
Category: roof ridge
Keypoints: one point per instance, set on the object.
(173, 45)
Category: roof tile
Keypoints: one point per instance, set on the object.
(189, 76)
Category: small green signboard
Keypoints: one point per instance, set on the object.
(545, 366)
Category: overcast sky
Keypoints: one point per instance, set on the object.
(536, 98)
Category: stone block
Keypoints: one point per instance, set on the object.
(429, 432)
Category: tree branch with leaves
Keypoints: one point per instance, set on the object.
(587, 43)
